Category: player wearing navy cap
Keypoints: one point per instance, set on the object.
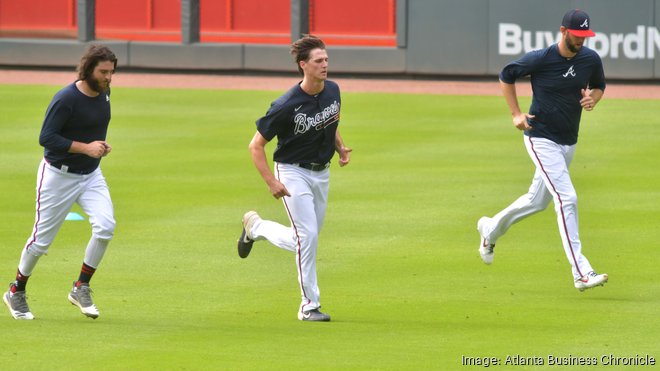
(566, 78)
(305, 121)
(73, 135)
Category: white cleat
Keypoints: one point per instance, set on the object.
(591, 280)
(486, 249)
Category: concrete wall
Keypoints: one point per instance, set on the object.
(435, 37)
(475, 37)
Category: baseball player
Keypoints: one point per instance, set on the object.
(566, 78)
(73, 135)
(305, 121)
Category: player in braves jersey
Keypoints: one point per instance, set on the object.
(566, 78)
(73, 135)
(305, 121)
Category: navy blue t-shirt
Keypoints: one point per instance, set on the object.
(73, 116)
(305, 125)
(556, 84)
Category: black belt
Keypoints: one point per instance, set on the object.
(314, 166)
(68, 170)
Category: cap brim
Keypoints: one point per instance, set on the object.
(582, 33)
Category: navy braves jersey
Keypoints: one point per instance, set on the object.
(73, 116)
(305, 125)
(556, 84)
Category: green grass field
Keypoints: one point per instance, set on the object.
(398, 264)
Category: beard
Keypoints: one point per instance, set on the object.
(97, 85)
(571, 46)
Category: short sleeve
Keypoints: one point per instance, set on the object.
(270, 124)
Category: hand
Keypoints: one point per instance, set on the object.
(278, 190)
(97, 149)
(108, 148)
(587, 102)
(520, 121)
(344, 156)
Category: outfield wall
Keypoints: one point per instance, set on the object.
(406, 37)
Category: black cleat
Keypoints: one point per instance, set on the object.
(246, 240)
(244, 245)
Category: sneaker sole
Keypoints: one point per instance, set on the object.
(77, 304)
(591, 287)
(315, 320)
(311, 319)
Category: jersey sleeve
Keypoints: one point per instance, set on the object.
(269, 125)
(57, 115)
(519, 68)
(597, 80)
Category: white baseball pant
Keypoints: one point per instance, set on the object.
(306, 211)
(551, 182)
(57, 191)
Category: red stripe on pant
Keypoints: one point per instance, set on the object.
(298, 254)
(36, 223)
(561, 205)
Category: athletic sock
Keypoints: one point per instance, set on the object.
(20, 283)
(86, 273)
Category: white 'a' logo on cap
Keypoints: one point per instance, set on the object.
(585, 24)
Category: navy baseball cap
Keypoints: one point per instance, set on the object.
(578, 23)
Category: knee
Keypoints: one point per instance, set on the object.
(104, 229)
(37, 250)
(540, 203)
(307, 237)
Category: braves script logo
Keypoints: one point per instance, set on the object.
(585, 24)
(329, 115)
(570, 72)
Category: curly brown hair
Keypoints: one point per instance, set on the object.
(93, 55)
(303, 46)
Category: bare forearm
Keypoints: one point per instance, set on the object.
(520, 119)
(96, 149)
(339, 142)
(511, 97)
(261, 163)
(596, 94)
(258, 153)
(342, 150)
